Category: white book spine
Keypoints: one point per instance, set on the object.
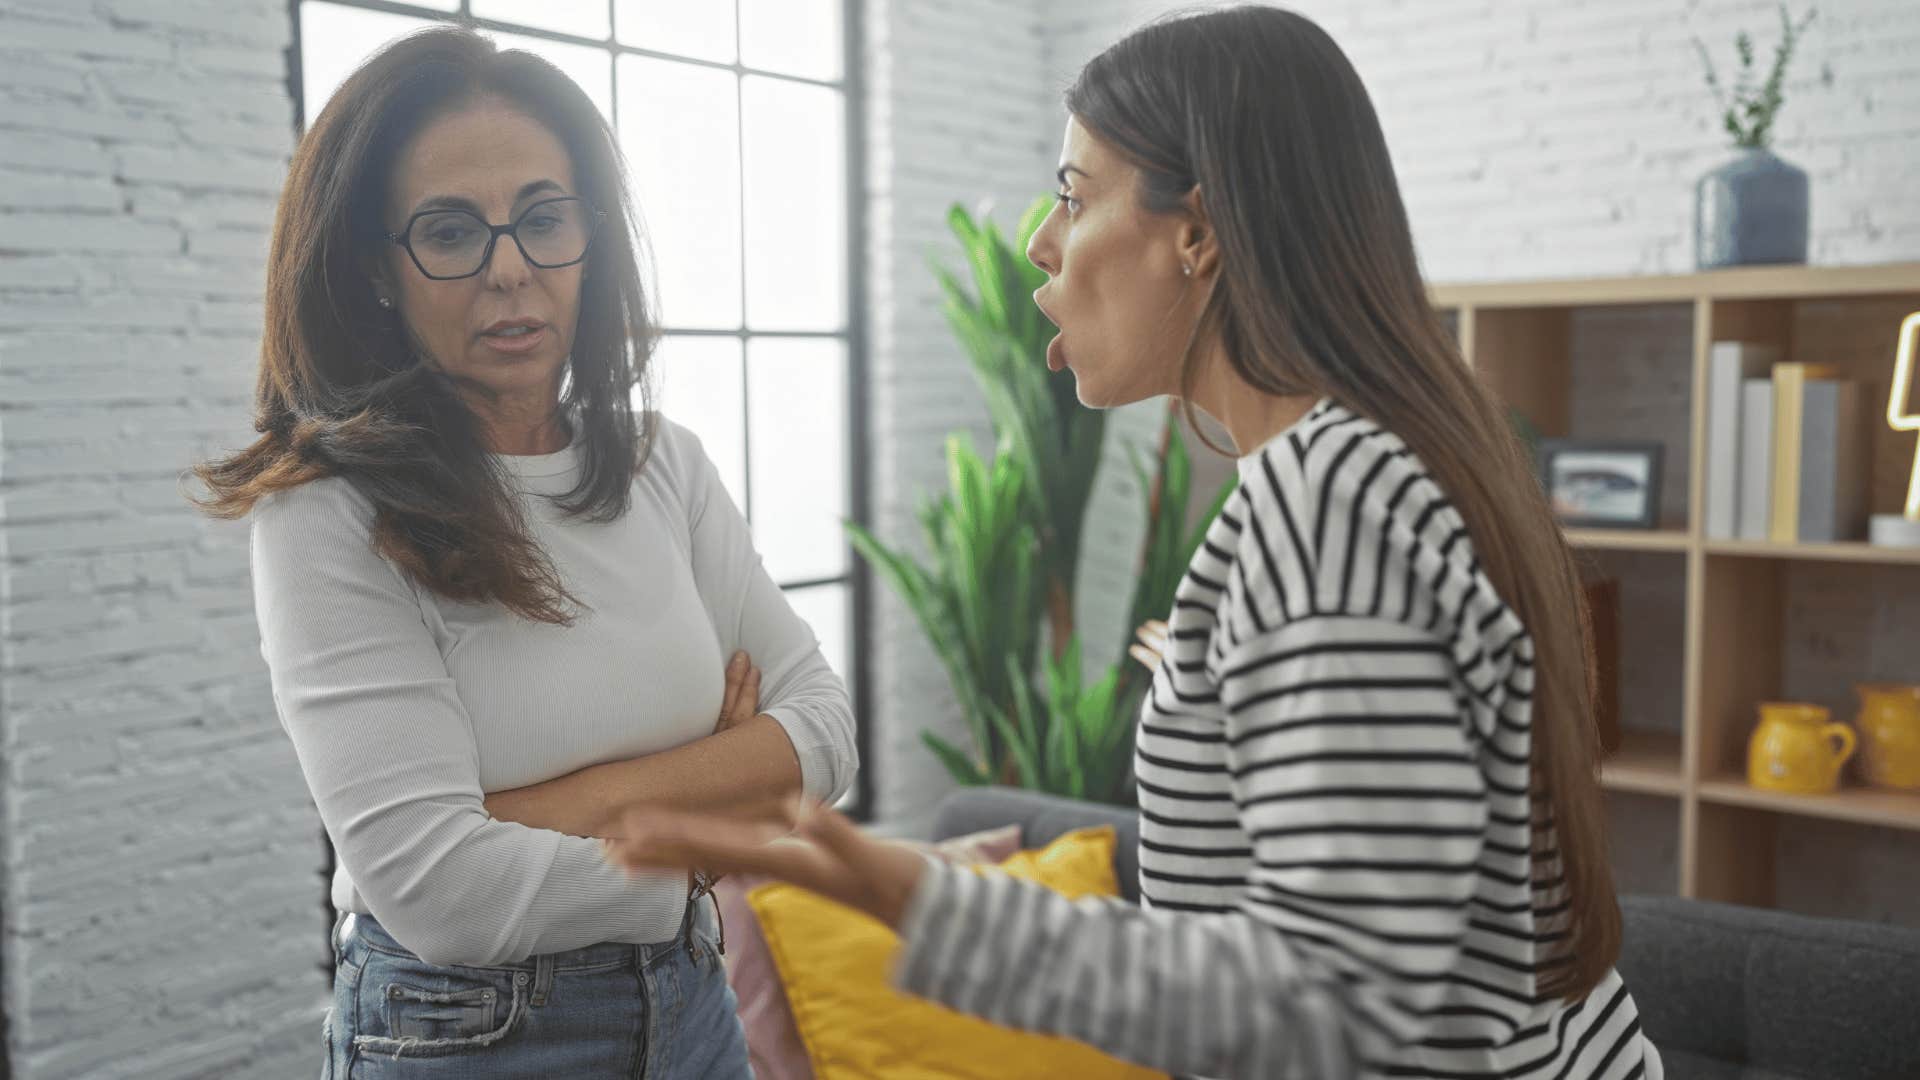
(1729, 365)
(1755, 504)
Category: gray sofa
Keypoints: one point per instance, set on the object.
(1726, 993)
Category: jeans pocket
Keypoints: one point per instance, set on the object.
(414, 1012)
(443, 1019)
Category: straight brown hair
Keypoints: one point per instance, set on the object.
(1320, 294)
(345, 391)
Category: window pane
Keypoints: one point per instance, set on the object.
(679, 128)
(798, 37)
(586, 18)
(703, 30)
(697, 384)
(825, 608)
(796, 225)
(335, 39)
(797, 409)
(591, 68)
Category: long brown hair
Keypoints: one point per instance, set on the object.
(1320, 294)
(343, 389)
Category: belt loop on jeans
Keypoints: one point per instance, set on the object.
(542, 979)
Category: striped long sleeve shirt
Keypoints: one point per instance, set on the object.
(1335, 834)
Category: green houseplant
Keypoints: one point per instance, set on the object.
(1003, 546)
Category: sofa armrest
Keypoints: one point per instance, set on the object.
(1738, 991)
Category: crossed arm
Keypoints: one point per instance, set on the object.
(747, 764)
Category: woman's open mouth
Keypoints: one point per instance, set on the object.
(517, 336)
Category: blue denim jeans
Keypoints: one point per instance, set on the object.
(662, 1012)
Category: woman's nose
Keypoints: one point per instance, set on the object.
(1040, 248)
(507, 268)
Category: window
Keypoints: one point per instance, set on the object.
(733, 115)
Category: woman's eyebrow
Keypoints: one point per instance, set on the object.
(459, 202)
(1071, 168)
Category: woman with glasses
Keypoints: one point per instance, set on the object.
(501, 607)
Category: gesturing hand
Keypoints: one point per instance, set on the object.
(820, 851)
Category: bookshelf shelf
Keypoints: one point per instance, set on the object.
(1746, 283)
(1625, 540)
(1861, 806)
(1722, 625)
(1853, 553)
(1647, 763)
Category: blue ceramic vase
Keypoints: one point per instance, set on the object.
(1752, 210)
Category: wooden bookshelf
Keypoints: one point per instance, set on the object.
(1756, 621)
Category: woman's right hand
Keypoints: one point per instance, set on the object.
(742, 700)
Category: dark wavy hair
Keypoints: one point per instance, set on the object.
(344, 390)
(1320, 294)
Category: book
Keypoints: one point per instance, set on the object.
(1729, 365)
(1833, 462)
(1755, 505)
(1789, 394)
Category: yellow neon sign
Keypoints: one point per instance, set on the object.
(1897, 403)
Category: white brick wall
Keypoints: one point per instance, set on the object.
(1552, 138)
(160, 857)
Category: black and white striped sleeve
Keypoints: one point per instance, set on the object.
(1354, 778)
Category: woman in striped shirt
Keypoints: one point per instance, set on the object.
(1371, 838)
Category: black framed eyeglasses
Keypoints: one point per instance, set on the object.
(451, 244)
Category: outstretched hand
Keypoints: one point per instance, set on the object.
(816, 848)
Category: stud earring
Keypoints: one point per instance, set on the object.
(387, 302)
(1187, 270)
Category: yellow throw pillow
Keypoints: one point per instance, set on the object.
(834, 962)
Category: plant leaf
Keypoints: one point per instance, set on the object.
(963, 769)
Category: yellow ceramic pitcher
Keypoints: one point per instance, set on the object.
(1890, 735)
(1797, 749)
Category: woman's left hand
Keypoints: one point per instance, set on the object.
(1152, 644)
(823, 852)
(741, 700)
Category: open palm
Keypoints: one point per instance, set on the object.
(817, 849)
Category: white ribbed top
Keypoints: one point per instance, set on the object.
(405, 707)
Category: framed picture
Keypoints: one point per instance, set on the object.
(1607, 485)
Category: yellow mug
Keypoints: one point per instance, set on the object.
(1889, 725)
(1797, 749)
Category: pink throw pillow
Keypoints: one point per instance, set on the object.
(773, 1042)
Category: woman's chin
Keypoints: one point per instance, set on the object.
(1096, 393)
